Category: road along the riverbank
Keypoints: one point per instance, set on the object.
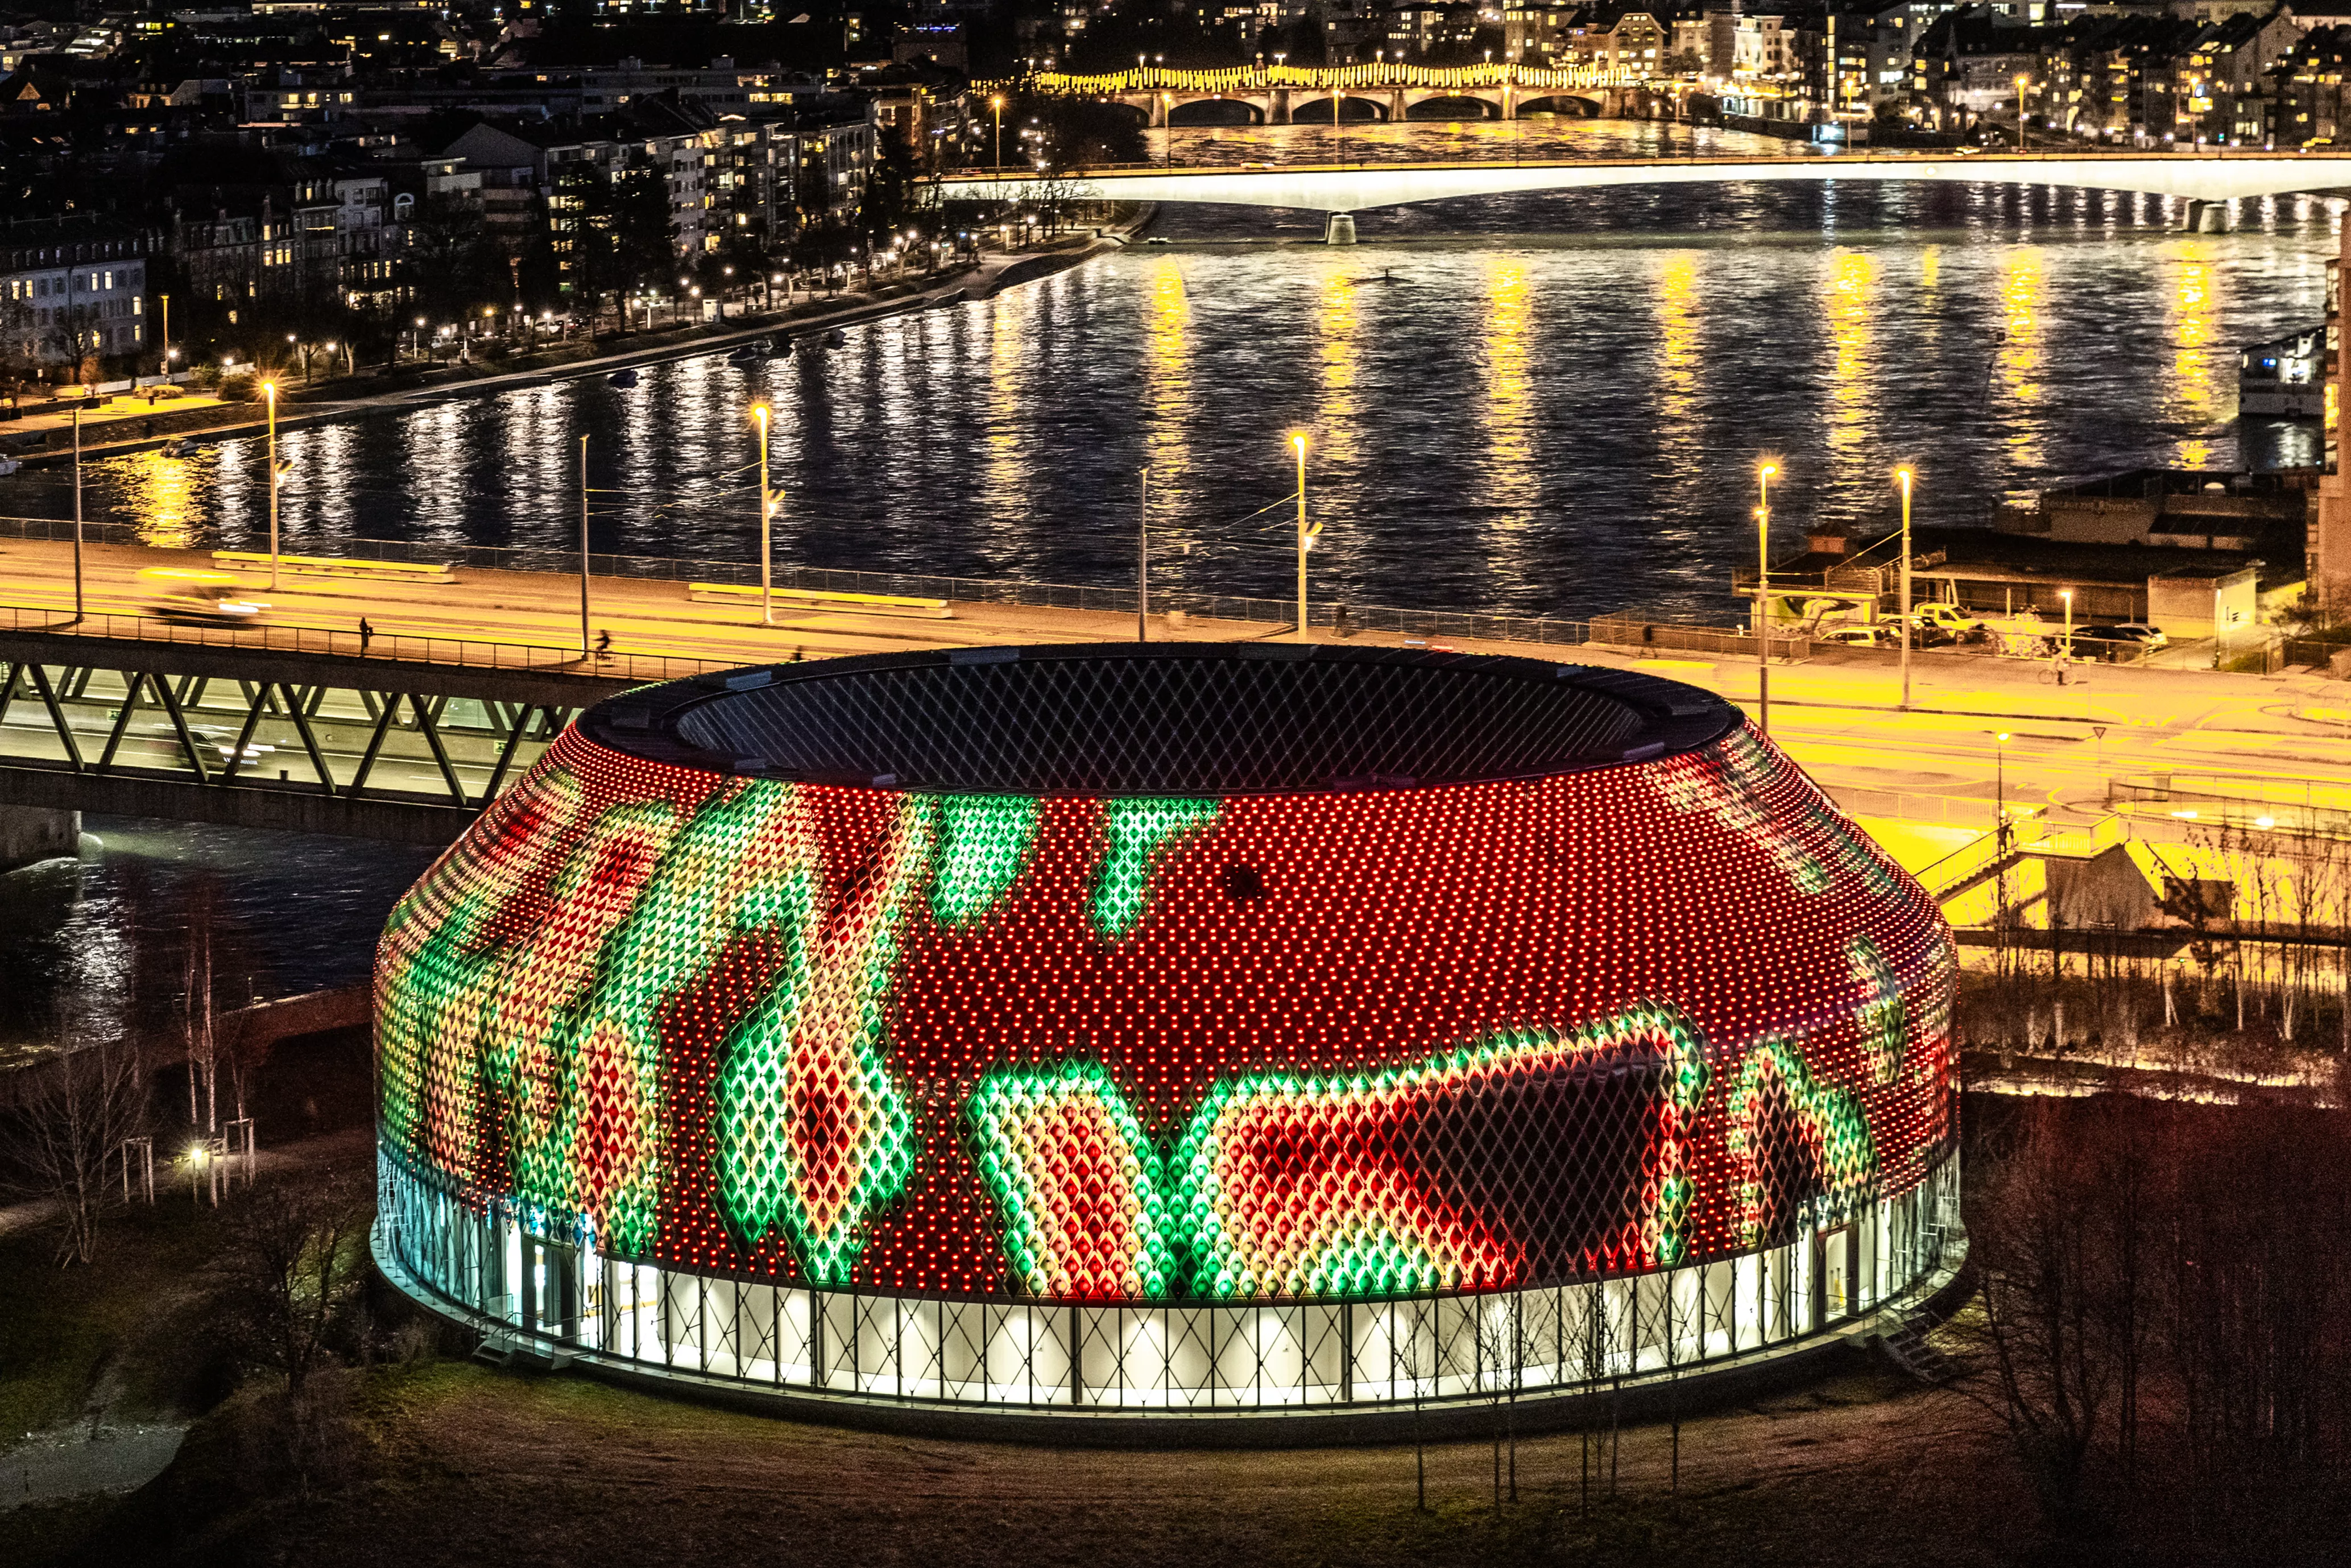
(991, 277)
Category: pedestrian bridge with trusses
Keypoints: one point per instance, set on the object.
(2206, 178)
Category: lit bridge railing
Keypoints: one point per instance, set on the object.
(385, 647)
(283, 727)
(1380, 74)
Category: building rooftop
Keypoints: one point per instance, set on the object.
(1180, 719)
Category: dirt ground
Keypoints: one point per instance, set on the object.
(456, 1463)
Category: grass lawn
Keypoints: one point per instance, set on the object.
(110, 1337)
(453, 1463)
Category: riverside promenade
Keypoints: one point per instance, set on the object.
(129, 423)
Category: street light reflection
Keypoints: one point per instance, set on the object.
(1510, 403)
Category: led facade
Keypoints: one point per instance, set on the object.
(1170, 1028)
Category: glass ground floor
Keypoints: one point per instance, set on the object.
(502, 1269)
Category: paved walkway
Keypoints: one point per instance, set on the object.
(41, 418)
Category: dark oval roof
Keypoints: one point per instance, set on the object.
(1165, 718)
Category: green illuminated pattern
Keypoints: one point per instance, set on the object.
(1304, 1183)
(1736, 793)
(813, 1131)
(429, 1006)
(1836, 1132)
(1885, 1023)
(984, 844)
(1138, 831)
(1078, 1184)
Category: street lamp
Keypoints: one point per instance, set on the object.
(269, 390)
(767, 522)
(1306, 532)
(1905, 477)
(2019, 113)
(76, 433)
(1764, 474)
(2000, 781)
(996, 103)
(2065, 649)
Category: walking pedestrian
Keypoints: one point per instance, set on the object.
(367, 633)
(603, 645)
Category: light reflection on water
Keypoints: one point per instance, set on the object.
(293, 912)
(1546, 403)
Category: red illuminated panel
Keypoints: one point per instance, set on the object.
(1442, 1037)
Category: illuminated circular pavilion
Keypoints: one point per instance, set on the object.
(1170, 1032)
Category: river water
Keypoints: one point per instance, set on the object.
(1543, 405)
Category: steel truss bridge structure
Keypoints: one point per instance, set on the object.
(302, 731)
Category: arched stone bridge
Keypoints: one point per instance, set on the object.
(1285, 95)
(2204, 178)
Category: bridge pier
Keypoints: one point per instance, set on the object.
(1339, 228)
(2207, 218)
(29, 833)
(1278, 108)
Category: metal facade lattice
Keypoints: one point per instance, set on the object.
(1213, 1053)
(1175, 719)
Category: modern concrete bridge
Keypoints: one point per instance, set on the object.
(2203, 179)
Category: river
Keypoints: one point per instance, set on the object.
(1543, 405)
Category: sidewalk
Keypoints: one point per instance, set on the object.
(41, 418)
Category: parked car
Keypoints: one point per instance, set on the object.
(2130, 637)
(1943, 617)
(1861, 636)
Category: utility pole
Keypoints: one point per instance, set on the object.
(1142, 560)
(1305, 532)
(1763, 592)
(1904, 476)
(583, 546)
(767, 515)
(78, 608)
(269, 390)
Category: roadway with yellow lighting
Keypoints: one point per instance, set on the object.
(2285, 739)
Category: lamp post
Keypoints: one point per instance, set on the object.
(1142, 560)
(2065, 648)
(766, 520)
(996, 103)
(2019, 113)
(1763, 475)
(1306, 533)
(167, 337)
(583, 548)
(77, 418)
(269, 390)
(1905, 477)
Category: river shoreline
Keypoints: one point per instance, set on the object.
(989, 278)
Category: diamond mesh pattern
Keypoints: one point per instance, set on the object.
(1154, 1050)
(1217, 721)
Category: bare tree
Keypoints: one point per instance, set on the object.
(70, 1117)
(2041, 1321)
(289, 1267)
(1500, 1370)
(199, 1017)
